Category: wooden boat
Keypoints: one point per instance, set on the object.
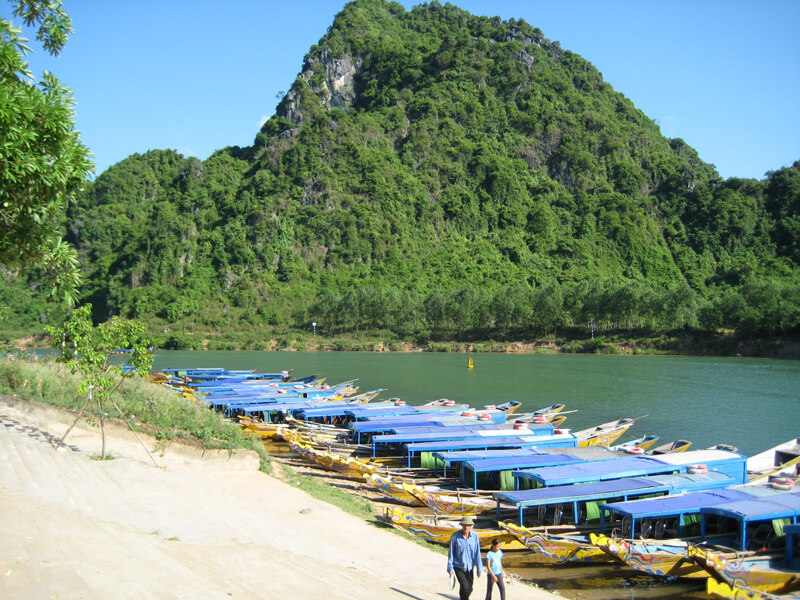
(431, 453)
(495, 469)
(439, 530)
(672, 447)
(556, 548)
(782, 460)
(649, 556)
(509, 407)
(550, 411)
(347, 465)
(758, 572)
(727, 463)
(264, 430)
(580, 504)
(726, 591)
(644, 443)
(395, 490)
(605, 434)
(743, 519)
(447, 502)
(579, 507)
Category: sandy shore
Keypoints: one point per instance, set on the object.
(200, 525)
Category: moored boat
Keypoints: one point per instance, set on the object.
(644, 443)
(556, 548)
(577, 507)
(438, 530)
(394, 490)
(767, 530)
(725, 591)
(672, 447)
(605, 434)
(447, 502)
(763, 573)
(782, 460)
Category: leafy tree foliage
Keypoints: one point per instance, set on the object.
(43, 164)
(86, 348)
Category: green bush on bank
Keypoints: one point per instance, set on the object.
(147, 406)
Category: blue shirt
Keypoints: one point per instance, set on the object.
(495, 561)
(464, 553)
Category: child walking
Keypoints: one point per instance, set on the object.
(494, 566)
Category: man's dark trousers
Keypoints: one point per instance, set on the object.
(464, 583)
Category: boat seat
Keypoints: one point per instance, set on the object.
(659, 529)
(558, 514)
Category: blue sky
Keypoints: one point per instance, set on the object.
(196, 76)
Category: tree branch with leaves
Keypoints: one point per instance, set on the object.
(43, 164)
(86, 348)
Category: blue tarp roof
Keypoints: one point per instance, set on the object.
(614, 488)
(673, 505)
(432, 434)
(509, 463)
(279, 407)
(400, 424)
(454, 433)
(758, 509)
(369, 412)
(516, 441)
(422, 420)
(616, 468)
(340, 410)
(465, 455)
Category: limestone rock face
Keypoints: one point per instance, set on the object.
(338, 87)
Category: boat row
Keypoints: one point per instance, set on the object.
(563, 496)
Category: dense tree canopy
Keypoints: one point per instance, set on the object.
(434, 173)
(43, 164)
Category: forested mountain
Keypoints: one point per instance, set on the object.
(434, 173)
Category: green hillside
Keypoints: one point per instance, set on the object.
(432, 174)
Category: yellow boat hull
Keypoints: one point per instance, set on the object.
(555, 549)
(744, 572)
(440, 532)
(658, 563)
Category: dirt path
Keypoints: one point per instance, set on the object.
(200, 526)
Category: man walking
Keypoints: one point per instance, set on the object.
(464, 555)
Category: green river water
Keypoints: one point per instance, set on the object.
(752, 404)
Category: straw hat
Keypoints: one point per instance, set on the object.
(468, 520)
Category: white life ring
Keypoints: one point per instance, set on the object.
(782, 483)
(634, 450)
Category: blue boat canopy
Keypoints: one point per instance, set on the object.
(730, 463)
(617, 468)
(476, 431)
(516, 462)
(776, 506)
(340, 410)
(446, 452)
(673, 505)
(599, 489)
(465, 455)
(610, 489)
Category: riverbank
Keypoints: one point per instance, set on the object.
(203, 524)
(684, 344)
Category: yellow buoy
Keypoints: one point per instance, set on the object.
(470, 364)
